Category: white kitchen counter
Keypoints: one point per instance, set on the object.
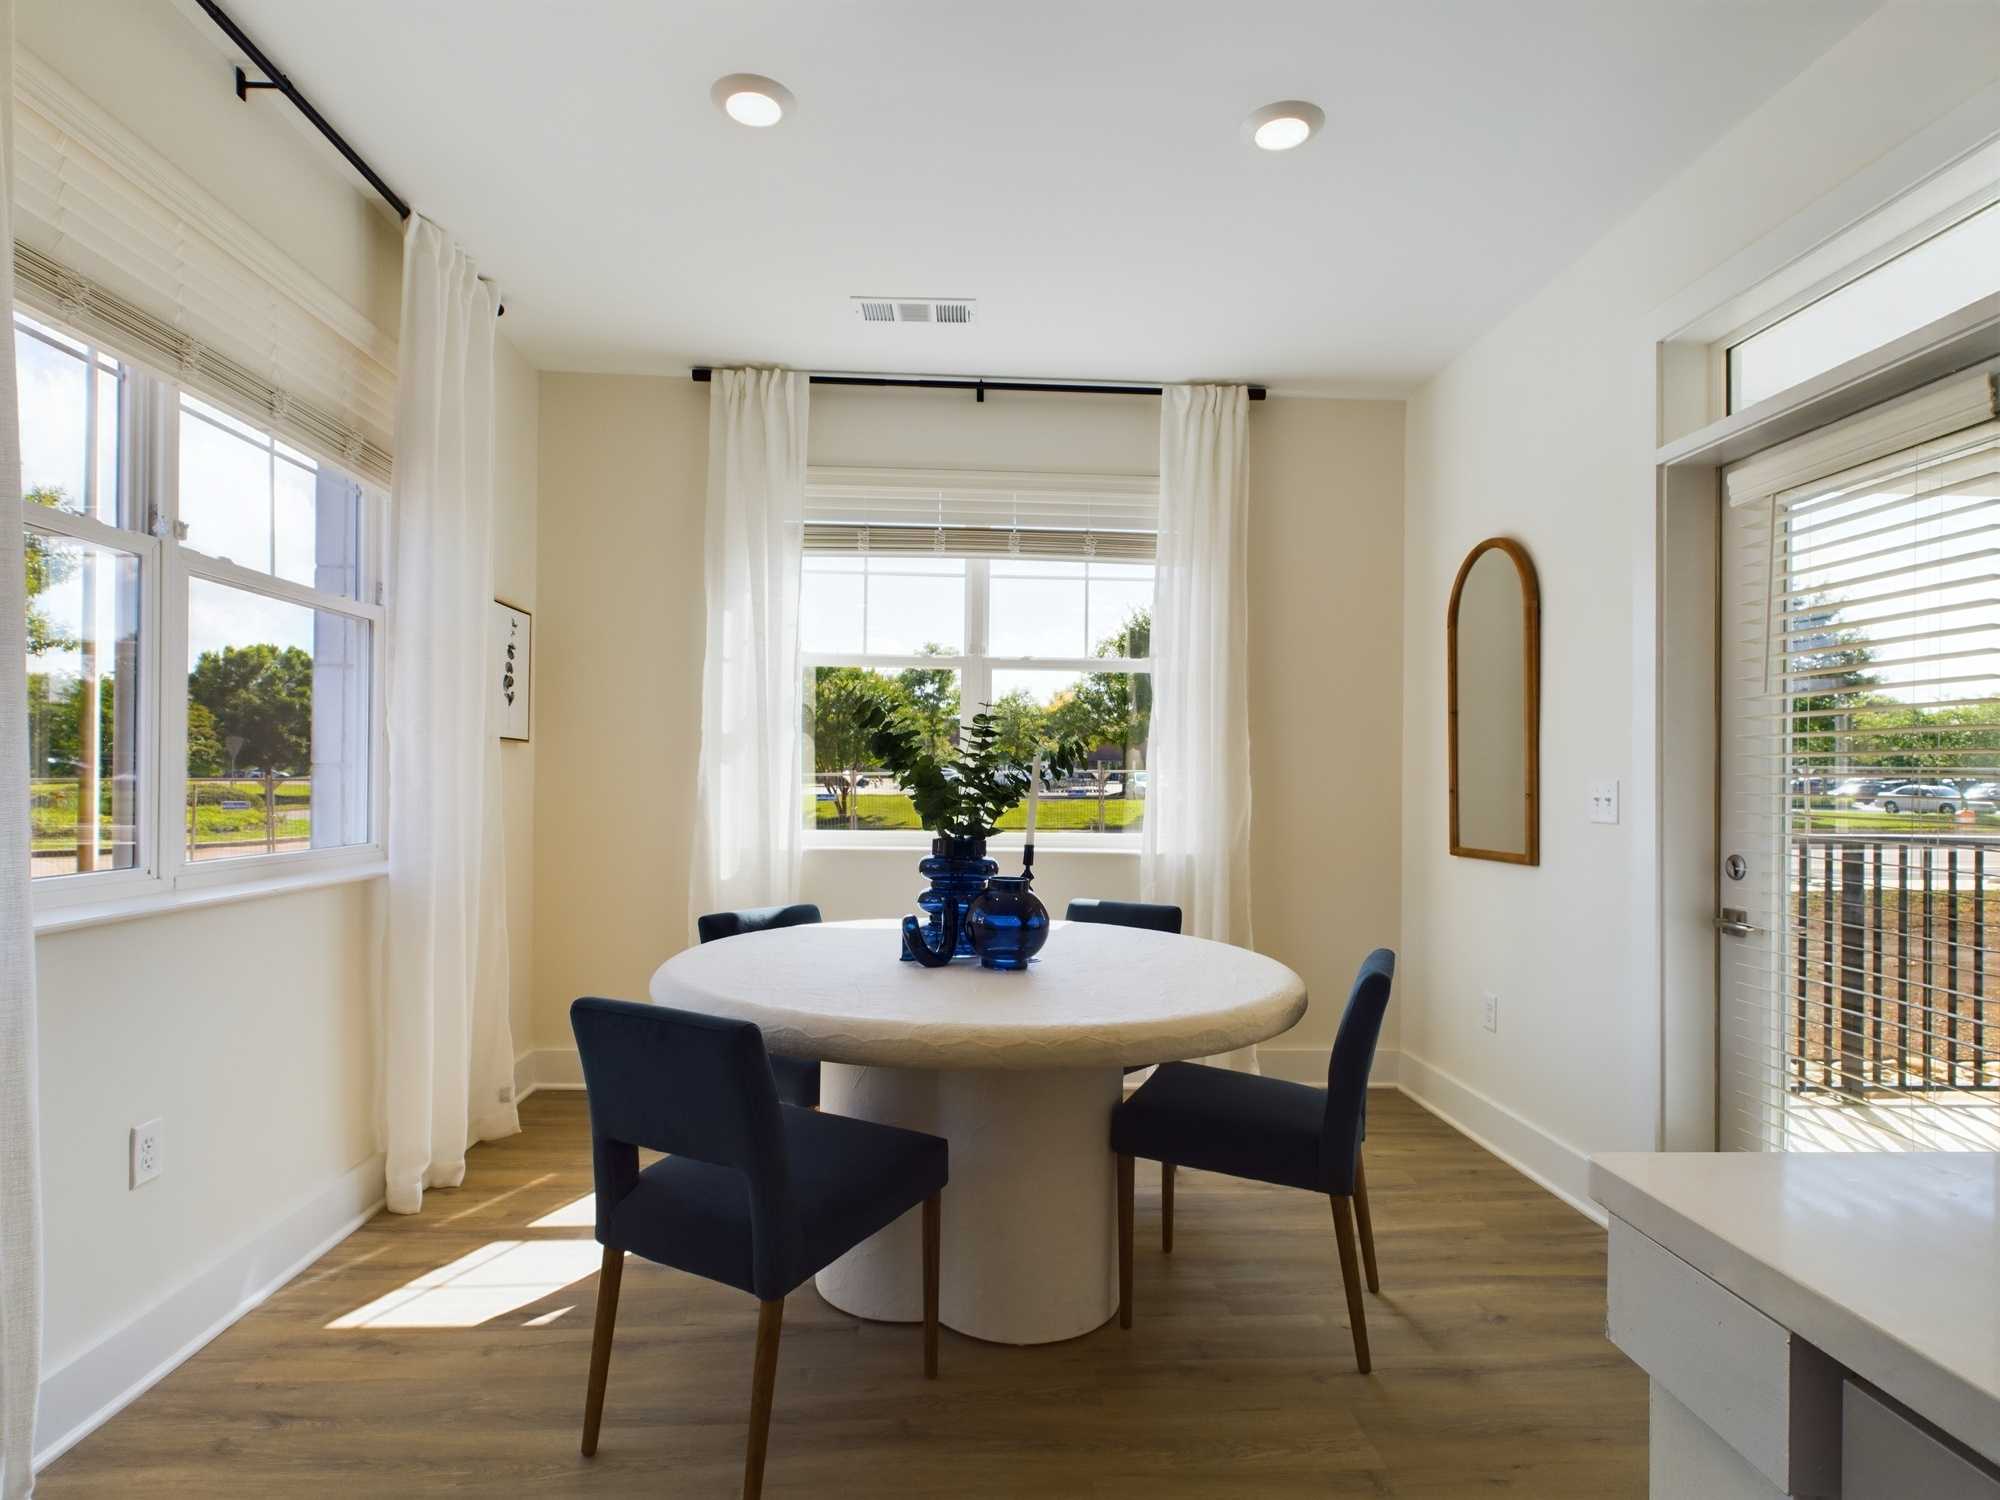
(1887, 1263)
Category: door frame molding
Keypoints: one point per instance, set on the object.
(1677, 539)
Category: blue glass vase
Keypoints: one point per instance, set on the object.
(1007, 922)
(958, 870)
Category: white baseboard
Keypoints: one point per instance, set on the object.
(1308, 1065)
(1522, 1144)
(546, 1068)
(81, 1394)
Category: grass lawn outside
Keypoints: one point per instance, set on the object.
(53, 812)
(1870, 820)
(891, 810)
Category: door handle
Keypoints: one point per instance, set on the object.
(1736, 922)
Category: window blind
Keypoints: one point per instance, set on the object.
(982, 513)
(115, 242)
(1860, 818)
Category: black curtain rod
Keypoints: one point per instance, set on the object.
(703, 373)
(274, 78)
(278, 81)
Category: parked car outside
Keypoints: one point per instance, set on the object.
(1931, 797)
(1861, 789)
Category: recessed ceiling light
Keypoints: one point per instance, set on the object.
(752, 99)
(1288, 123)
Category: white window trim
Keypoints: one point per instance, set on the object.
(975, 667)
(165, 879)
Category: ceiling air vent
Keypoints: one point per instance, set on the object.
(914, 309)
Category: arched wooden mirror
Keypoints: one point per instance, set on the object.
(1494, 705)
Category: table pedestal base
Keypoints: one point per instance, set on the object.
(1030, 1233)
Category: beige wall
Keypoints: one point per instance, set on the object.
(1326, 531)
(516, 563)
(248, 1030)
(620, 644)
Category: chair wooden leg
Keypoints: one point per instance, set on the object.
(1124, 1242)
(764, 1377)
(1366, 1225)
(1166, 1208)
(932, 1216)
(608, 1277)
(1350, 1276)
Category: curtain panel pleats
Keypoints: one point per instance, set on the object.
(448, 1068)
(1195, 846)
(20, 1160)
(751, 771)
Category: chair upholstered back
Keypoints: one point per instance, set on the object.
(690, 1085)
(1347, 1070)
(1126, 914)
(722, 924)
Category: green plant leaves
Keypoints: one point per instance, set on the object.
(961, 792)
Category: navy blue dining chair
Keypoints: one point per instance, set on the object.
(1267, 1130)
(798, 1077)
(754, 1193)
(1156, 915)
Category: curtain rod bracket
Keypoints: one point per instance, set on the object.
(244, 83)
(274, 79)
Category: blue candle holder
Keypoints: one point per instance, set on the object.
(1007, 922)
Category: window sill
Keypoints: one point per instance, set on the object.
(866, 845)
(161, 903)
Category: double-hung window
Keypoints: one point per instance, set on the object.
(202, 625)
(945, 594)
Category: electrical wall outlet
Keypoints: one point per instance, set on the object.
(1604, 802)
(1489, 1012)
(145, 1152)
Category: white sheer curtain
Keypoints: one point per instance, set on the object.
(448, 1073)
(751, 785)
(1195, 848)
(20, 1160)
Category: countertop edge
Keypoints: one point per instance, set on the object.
(1882, 1358)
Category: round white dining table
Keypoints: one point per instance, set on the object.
(1018, 1071)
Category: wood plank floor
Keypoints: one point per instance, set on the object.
(1492, 1374)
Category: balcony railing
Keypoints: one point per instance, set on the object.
(1889, 965)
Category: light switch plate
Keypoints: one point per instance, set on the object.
(1604, 802)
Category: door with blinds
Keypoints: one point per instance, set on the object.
(1860, 790)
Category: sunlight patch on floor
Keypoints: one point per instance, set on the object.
(581, 1214)
(493, 1280)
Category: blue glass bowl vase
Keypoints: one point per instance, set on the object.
(1007, 922)
(958, 870)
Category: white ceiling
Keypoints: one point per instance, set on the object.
(1077, 167)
